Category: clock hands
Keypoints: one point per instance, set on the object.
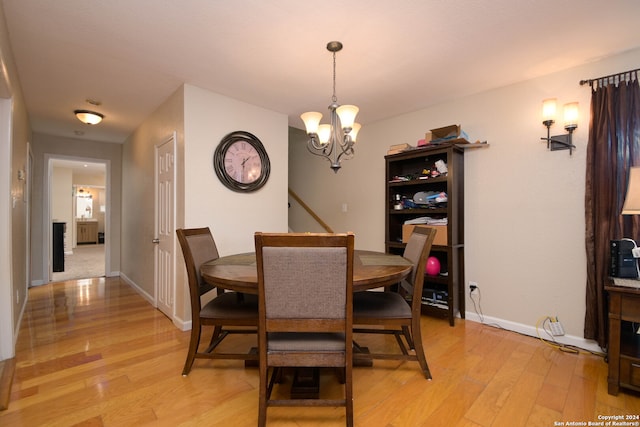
(243, 164)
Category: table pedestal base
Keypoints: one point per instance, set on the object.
(252, 363)
(306, 383)
(361, 356)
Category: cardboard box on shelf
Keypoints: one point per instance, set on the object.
(452, 133)
(441, 233)
(398, 148)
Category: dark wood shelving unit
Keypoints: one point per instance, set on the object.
(449, 287)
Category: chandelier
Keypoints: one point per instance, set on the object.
(333, 141)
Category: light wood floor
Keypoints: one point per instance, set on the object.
(94, 353)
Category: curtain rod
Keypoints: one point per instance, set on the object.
(591, 81)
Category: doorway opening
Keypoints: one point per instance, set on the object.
(78, 218)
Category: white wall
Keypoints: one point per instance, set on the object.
(138, 192)
(200, 119)
(524, 205)
(15, 132)
(233, 217)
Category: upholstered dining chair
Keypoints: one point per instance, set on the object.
(305, 285)
(228, 312)
(390, 312)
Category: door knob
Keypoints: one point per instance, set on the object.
(155, 241)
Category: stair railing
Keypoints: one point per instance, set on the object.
(310, 211)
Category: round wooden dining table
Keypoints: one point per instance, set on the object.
(370, 270)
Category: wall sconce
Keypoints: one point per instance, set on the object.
(559, 142)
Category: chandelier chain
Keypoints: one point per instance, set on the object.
(334, 98)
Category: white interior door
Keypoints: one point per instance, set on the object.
(165, 227)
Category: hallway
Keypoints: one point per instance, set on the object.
(87, 261)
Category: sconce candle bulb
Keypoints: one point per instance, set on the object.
(571, 116)
(549, 110)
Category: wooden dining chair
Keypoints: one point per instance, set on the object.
(398, 313)
(228, 312)
(305, 284)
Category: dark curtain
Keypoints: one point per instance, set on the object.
(614, 147)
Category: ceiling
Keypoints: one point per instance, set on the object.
(398, 56)
(80, 167)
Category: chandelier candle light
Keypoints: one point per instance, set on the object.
(335, 140)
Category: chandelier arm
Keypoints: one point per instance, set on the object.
(334, 160)
(319, 150)
(313, 142)
(347, 152)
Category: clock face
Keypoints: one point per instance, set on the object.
(241, 162)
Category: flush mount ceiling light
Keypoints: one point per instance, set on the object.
(335, 140)
(88, 117)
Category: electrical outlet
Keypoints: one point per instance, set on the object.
(473, 286)
(556, 327)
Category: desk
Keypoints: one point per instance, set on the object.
(370, 270)
(624, 343)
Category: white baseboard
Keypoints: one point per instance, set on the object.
(183, 325)
(138, 289)
(529, 330)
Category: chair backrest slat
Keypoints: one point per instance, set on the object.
(198, 247)
(417, 251)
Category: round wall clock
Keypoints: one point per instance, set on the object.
(241, 162)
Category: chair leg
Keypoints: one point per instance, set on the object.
(216, 339)
(348, 394)
(216, 333)
(417, 339)
(398, 336)
(407, 336)
(276, 378)
(277, 375)
(262, 403)
(193, 348)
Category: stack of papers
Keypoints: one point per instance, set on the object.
(427, 220)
